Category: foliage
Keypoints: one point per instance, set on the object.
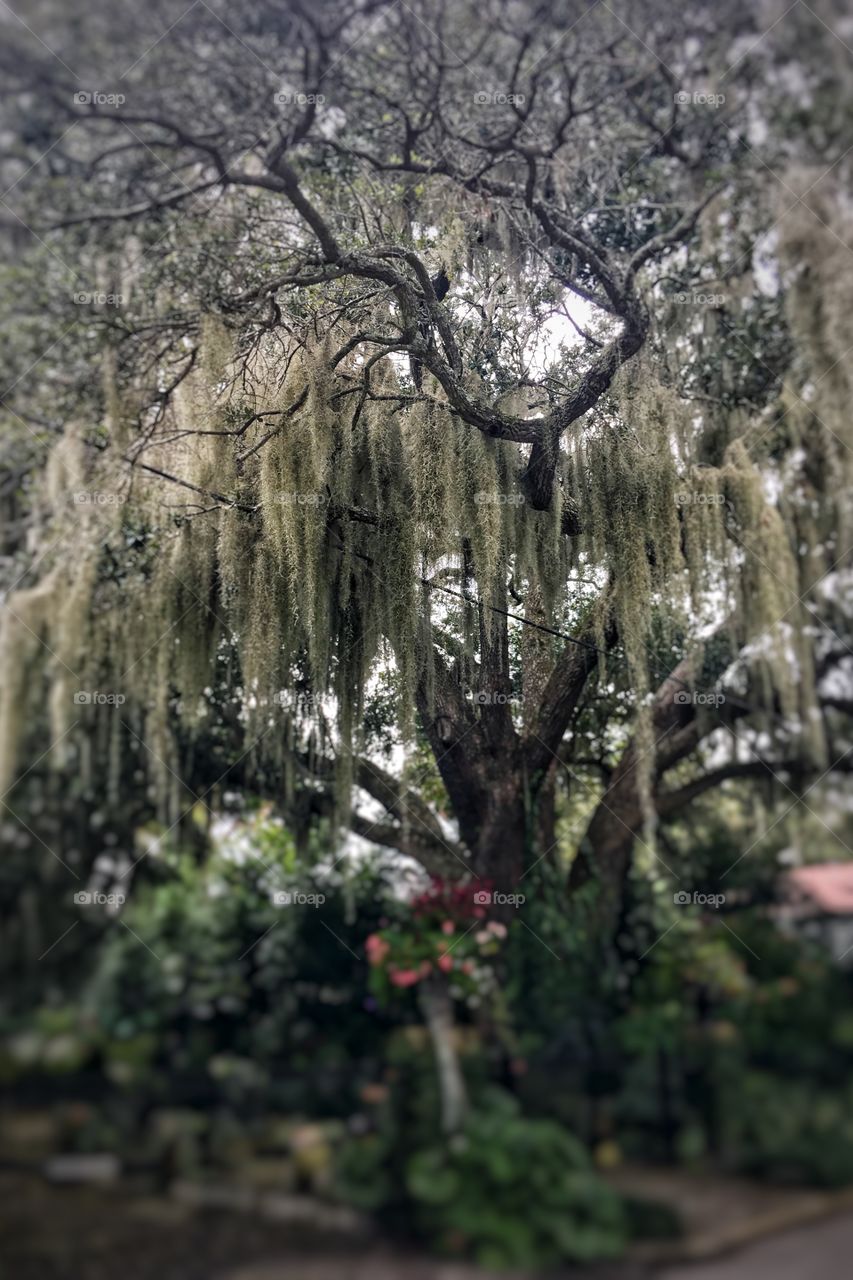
(509, 1191)
(792, 1132)
(208, 986)
(444, 931)
(512, 1191)
(457, 453)
(249, 489)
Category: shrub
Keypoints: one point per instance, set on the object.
(789, 1131)
(513, 1191)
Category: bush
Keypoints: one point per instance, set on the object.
(511, 1191)
(789, 1131)
(216, 995)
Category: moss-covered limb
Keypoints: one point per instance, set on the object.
(455, 738)
(605, 851)
(297, 515)
(494, 678)
(336, 524)
(679, 727)
(562, 691)
(438, 858)
(672, 801)
(206, 575)
(402, 803)
(628, 305)
(406, 275)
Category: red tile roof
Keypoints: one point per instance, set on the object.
(828, 884)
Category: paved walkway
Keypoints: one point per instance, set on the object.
(91, 1234)
(822, 1251)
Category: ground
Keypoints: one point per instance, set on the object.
(89, 1234)
(809, 1253)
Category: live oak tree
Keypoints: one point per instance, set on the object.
(485, 362)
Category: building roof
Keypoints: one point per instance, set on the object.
(829, 885)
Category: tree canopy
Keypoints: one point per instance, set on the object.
(436, 391)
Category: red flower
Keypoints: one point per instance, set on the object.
(452, 900)
(404, 977)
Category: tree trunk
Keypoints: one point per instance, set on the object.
(499, 852)
(606, 849)
(501, 782)
(437, 1008)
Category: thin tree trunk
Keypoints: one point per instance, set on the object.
(437, 1008)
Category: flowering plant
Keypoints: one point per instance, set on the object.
(446, 932)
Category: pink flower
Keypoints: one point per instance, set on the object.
(404, 977)
(445, 963)
(377, 949)
(448, 927)
(495, 927)
(468, 966)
